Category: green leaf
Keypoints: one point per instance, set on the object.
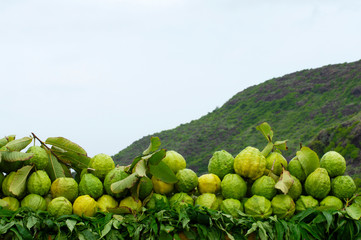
(54, 168)
(70, 223)
(141, 169)
(285, 182)
(107, 228)
(66, 170)
(18, 144)
(354, 211)
(309, 160)
(126, 183)
(163, 172)
(65, 144)
(32, 221)
(76, 160)
(3, 142)
(266, 131)
(282, 145)
(154, 145)
(18, 184)
(267, 149)
(157, 157)
(135, 161)
(16, 156)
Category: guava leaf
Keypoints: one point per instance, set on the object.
(76, 160)
(125, 183)
(65, 144)
(309, 160)
(3, 142)
(16, 156)
(135, 161)
(141, 168)
(157, 157)
(354, 211)
(163, 172)
(153, 146)
(281, 145)
(285, 182)
(66, 170)
(18, 184)
(54, 168)
(266, 131)
(18, 144)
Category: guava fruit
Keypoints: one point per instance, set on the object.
(332, 202)
(180, 200)
(90, 185)
(115, 175)
(60, 206)
(102, 164)
(343, 187)
(221, 163)
(85, 205)
(34, 201)
(209, 183)
(145, 188)
(264, 186)
(162, 187)
(131, 205)
(283, 206)
(334, 163)
(295, 168)
(40, 158)
(6, 187)
(296, 189)
(39, 183)
(250, 163)
(308, 159)
(187, 180)
(64, 187)
(318, 183)
(174, 161)
(305, 202)
(12, 203)
(233, 186)
(207, 200)
(276, 161)
(158, 202)
(258, 206)
(105, 202)
(231, 206)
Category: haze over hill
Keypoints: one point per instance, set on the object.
(297, 106)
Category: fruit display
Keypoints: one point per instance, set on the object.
(58, 179)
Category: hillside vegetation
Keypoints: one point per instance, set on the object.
(298, 106)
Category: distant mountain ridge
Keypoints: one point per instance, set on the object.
(297, 106)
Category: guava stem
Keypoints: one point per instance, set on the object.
(267, 149)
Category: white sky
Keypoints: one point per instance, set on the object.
(104, 73)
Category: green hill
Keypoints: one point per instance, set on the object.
(297, 106)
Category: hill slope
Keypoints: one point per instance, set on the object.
(297, 106)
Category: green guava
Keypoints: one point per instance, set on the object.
(231, 206)
(131, 205)
(60, 206)
(105, 202)
(258, 206)
(6, 187)
(34, 201)
(39, 183)
(208, 200)
(158, 202)
(233, 186)
(180, 200)
(113, 176)
(12, 203)
(221, 163)
(264, 186)
(187, 180)
(276, 162)
(296, 189)
(90, 185)
(174, 161)
(318, 183)
(343, 187)
(102, 164)
(305, 202)
(85, 205)
(65, 187)
(334, 163)
(283, 206)
(295, 168)
(332, 202)
(40, 158)
(250, 163)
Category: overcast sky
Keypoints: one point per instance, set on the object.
(104, 73)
